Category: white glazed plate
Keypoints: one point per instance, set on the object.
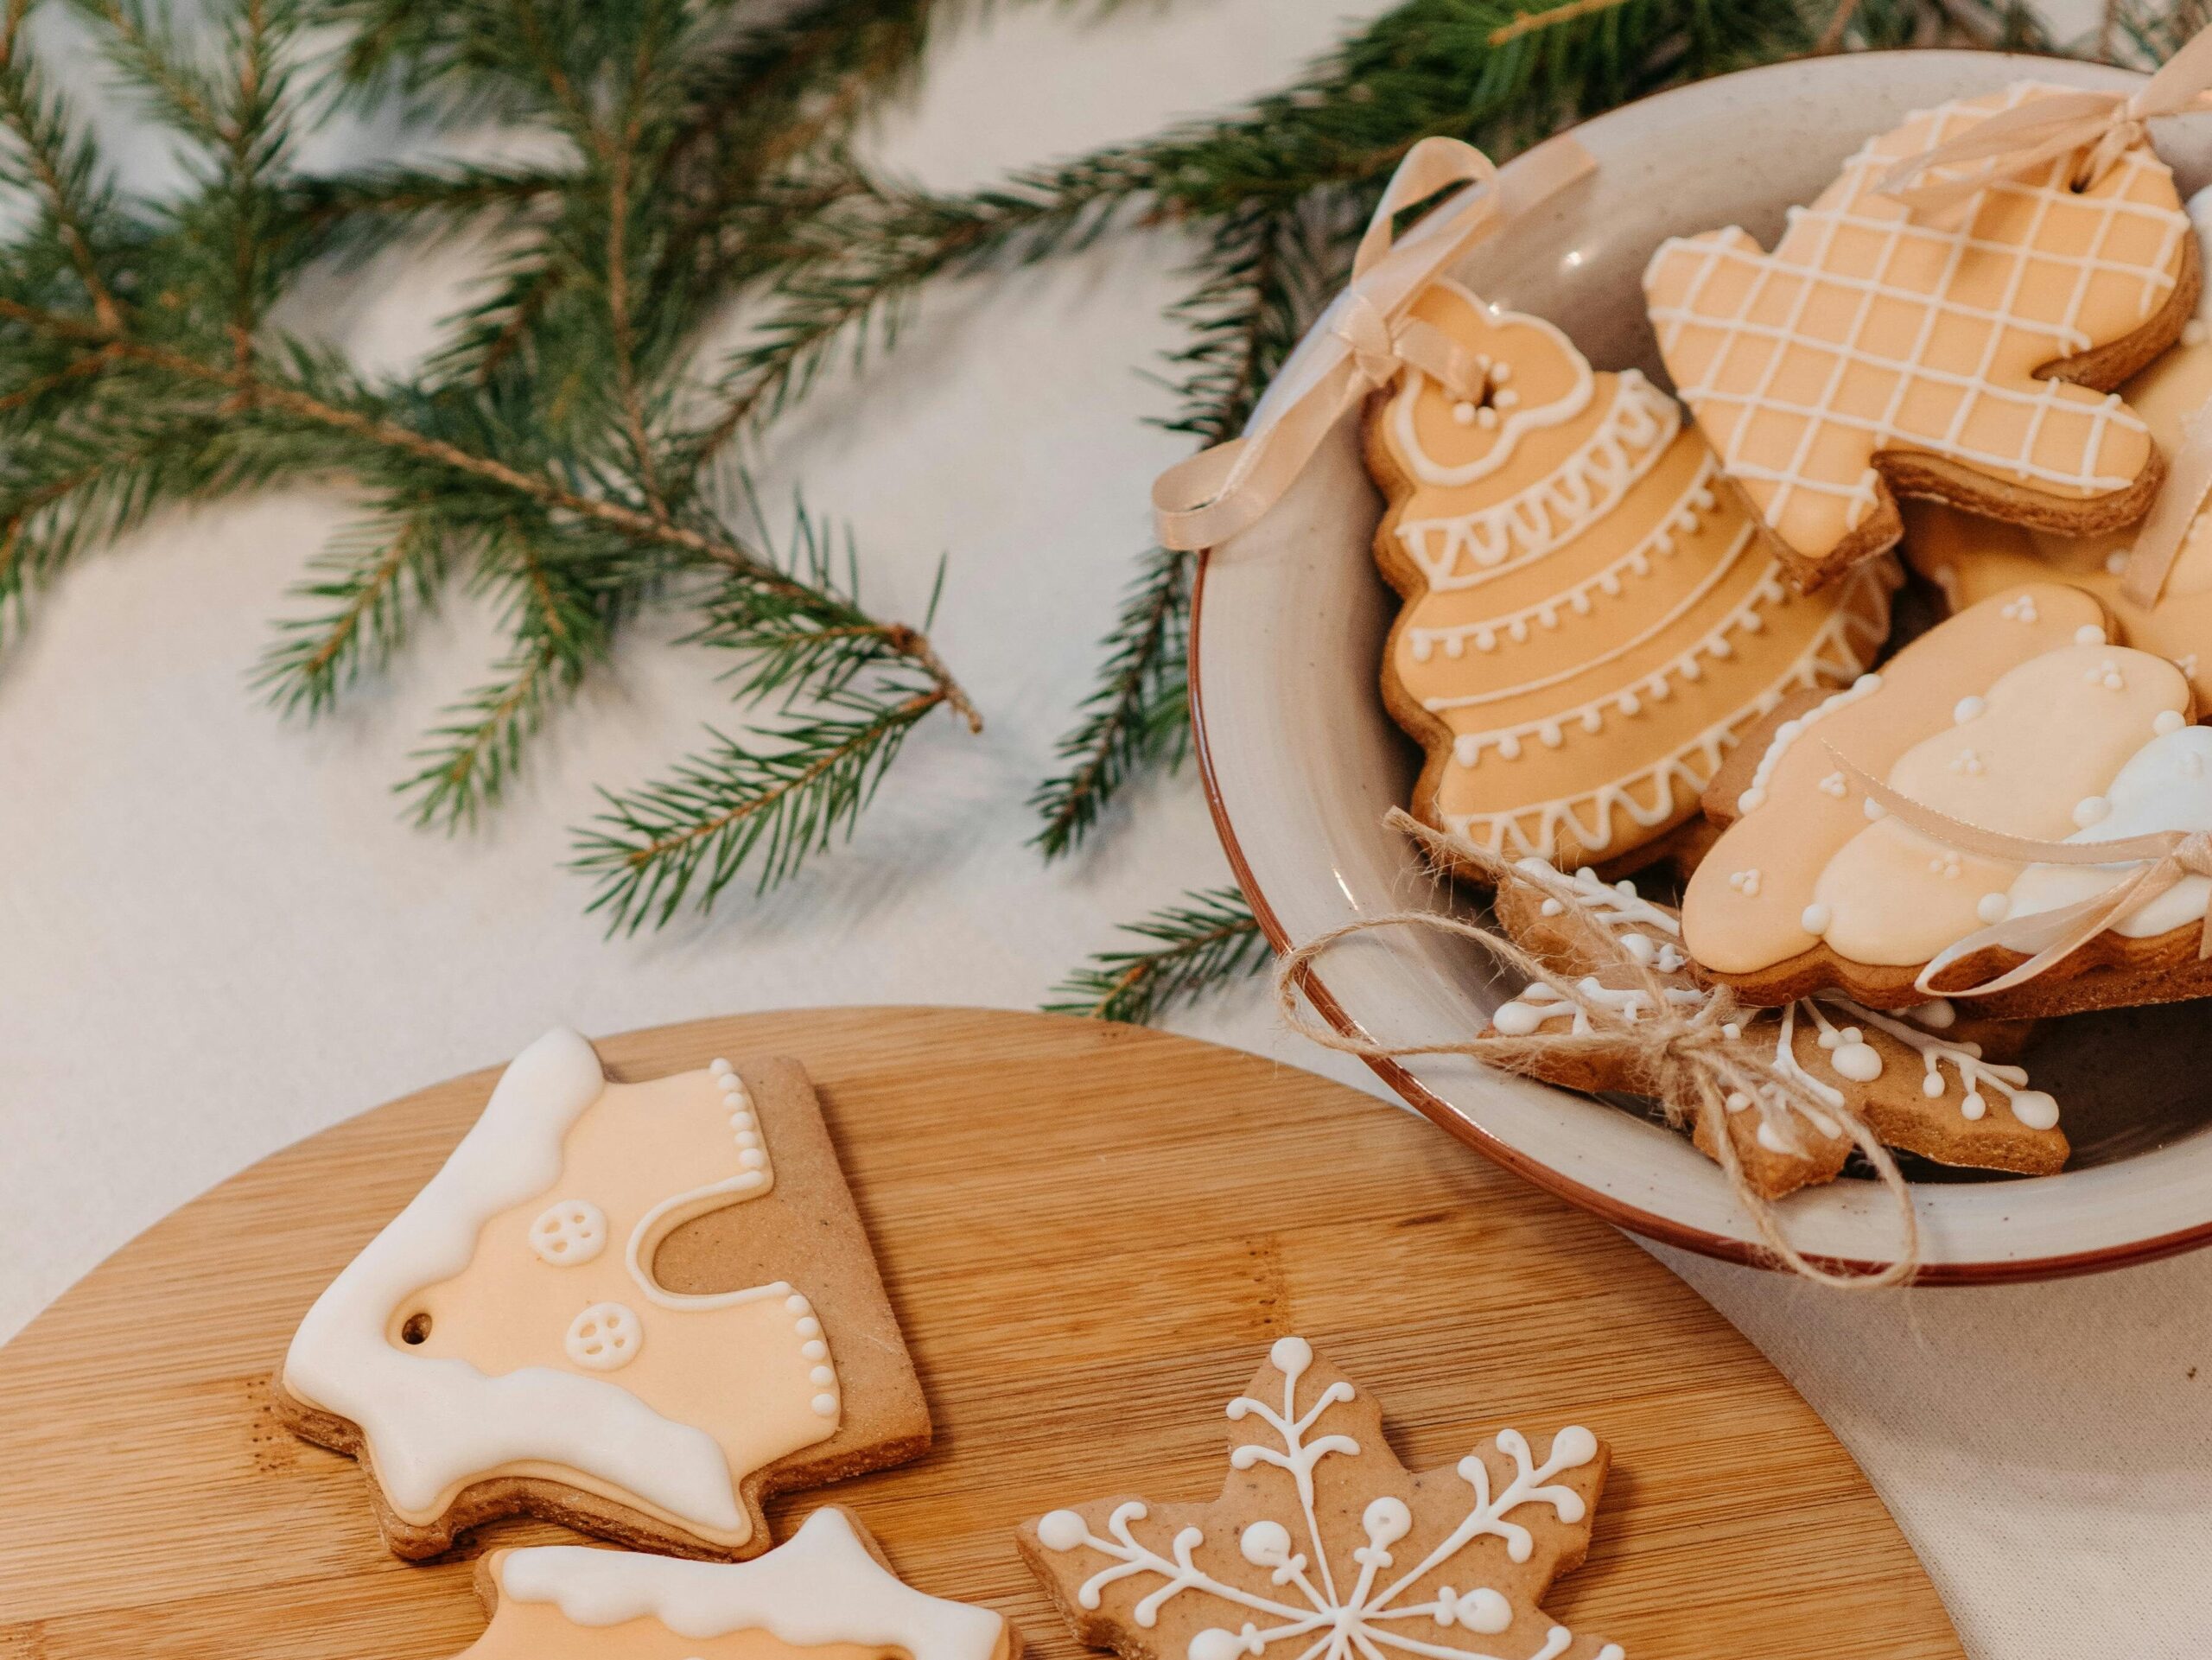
(1301, 761)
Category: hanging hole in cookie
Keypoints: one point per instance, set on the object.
(417, 1330)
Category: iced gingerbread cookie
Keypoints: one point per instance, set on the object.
(1931, 1080)
(1966, 356)
(1589, 621)
(634, 1309)
(1970, 558)
(1322, 1547)
(2015, 716)
(825, 1595)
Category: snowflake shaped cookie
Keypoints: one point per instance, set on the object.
(1323, 1547)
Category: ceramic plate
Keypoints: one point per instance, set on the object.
(1301, 761)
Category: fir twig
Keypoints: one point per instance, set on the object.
(1206, 942)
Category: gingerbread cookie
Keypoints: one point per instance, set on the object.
(1970, 558)
(1880, 352)
(2014, 716)
(1930, 1080)
(826, 1595)
(1322, 1547)
(1589, 623)
(635, 1309)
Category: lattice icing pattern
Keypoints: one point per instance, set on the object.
(1589, 621)
(510, 1318)
(1871, 331)
(1323, 1548)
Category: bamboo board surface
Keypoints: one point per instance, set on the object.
(1090, 1233)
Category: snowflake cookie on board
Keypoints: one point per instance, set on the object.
(1931, 1080)
(1881, 351)
(634, 1309)
(1969, 558)
(827, 1594)
(1323, 1547)
(2015, 717)
(1588, 622)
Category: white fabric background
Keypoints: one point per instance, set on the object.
(216, 936)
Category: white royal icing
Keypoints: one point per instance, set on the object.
(822, 1587)
(2164, 785)
(1754, 795)
(1520, 421)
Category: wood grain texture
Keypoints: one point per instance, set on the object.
(1090, 1234)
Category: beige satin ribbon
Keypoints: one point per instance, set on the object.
(2157, 546)
(2101, 125)
(2161, 859)
(1365, 338)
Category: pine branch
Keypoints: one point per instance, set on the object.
(1195, 947)
(364, 586)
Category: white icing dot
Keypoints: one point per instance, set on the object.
(2193, 332)
(1835, 784)
(822, 1376)
(2088, 634)
(2020, 608)
(826, 1405)
(1752, 800)
(1737, 1101)
(1516, 1020)
(2090, 808)
(719, 1067)
(1815, 919)
(1264, 1543)
(1290, 1355)
(1965, 710)
(1857, 1059)
(1464, 413)
(604, 1338)
(797, 1304)
(1937, 1016)
(740, 1121)
(1640, 947)
(1991, 909)
(2168, 721)
(753, 1158)
(1874, 808)
(1466, 748)
(1505, 400)
(1966, 761)
(1731, 1030)
(568, 1232)
(1214, 1644)
(814, 1349)
(2035, 1108)
(1553, 908)
(1745, 882)
(1931, 1086)
(1061, 1530)
(2116, 563)
(748, 1138)
(1485, 1610)
(1972, 1107)
(807, 1325)
(2105, 674)
(1499, 372)
(1767, 1138)
(1485, 416)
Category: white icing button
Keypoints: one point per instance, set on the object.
(1516, 1019)
(797, 1304)
(2193, 332)
(2088, 634)
(2035, 1108)
(719, 1067)
(1464, 413)
(2115, 563)
(815, 1349)
(1499, 372)
(821, 1376)
(1486, 416)
(826, 1405)
(1485, 1610)
(1965, 710)
(1467, 749)
(1874, 808)
(1061, 1530)
(568, 1232)
(1932, 1085)
(1835, 784)
(2090, 808)
(747, 1138)
(1816, 919)
(740, 1121)
(1972, 1107)
(1991, 909)
(809, 1326)
(2170, 722)
(753, 1158)
(605, 1337)
(1856, 1058)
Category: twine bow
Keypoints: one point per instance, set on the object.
(2100, 126)
(1365, 337)
(1691, 1058)
(2161, 859)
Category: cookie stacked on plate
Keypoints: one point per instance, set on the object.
(1632, 635)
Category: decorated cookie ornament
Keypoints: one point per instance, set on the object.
(1929, 1080)
(2016, 717)
(825, 1595)
(1970, 558)
(1963, 352)
(1322, 1547)
(636, 1308)
(1589, 621)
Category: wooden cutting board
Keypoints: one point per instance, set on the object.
(1091, 1232)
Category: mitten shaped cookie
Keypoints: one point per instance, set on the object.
(826, 1595)
(1322, 1547)
(1929, 1080)
(635, 1309)
(2014, 716)
(1965, 356)
(1589, 622)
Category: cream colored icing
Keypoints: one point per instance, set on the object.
(822, 1596)
(1743, 926)
(2165, 785)
(463, 1346)
(1869, 329)
(2050, 733)
(1970, 558)
(1594, 621)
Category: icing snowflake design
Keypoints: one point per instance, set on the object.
(1379, 1604)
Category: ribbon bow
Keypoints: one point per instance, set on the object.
(2100, 124)
(2161, 858)
(1365, 337)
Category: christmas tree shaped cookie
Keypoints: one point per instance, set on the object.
(1880, 352)
(826, 1595)
(636, 1308)
(1323, 1547)
(1589, 621)
(1931, 1080)
(2017, 716)
(1970, 558)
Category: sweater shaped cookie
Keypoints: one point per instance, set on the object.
(2017, 716)
(1588, 622)
(636, 1308)
(1967, 356)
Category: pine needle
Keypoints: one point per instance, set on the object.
(1206, 942)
